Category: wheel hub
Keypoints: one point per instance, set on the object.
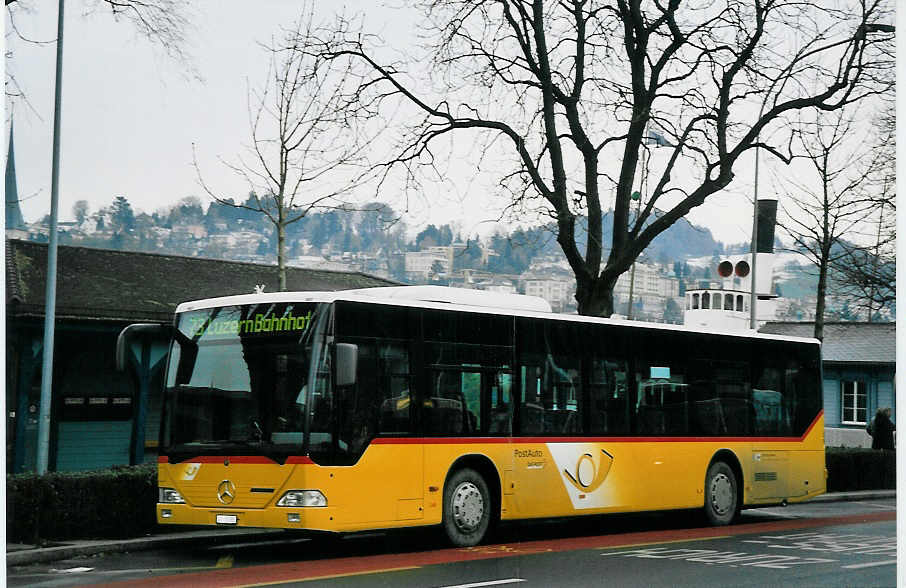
(468, 506)
(721, 494)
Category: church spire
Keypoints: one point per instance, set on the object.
(14, 218)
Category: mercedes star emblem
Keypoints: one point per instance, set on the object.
(226, 492)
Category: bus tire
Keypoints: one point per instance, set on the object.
(467, 508)
(721, 494)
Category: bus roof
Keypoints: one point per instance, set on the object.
(445, 298)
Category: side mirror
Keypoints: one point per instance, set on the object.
(347, 364)
(129, 333)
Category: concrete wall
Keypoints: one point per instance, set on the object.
(834, 437)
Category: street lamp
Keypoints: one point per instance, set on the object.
(753, 293)
(651, 136)
(50, 299)
(637, 196)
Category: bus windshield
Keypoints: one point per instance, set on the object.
(238, 379)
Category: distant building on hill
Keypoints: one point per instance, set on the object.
(421, 265)
(555, 284)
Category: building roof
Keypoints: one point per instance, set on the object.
(858, 343)
(102, 284)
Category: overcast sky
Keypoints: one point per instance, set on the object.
(131, 115)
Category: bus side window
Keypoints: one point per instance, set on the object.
(395, 388)
(501, 420)
(607, 381)
(662, 400)
(446, 410)
(552, 396)
(531, 411)
(771, 415)
(378, 402)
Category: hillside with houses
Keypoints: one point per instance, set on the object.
(374, 239)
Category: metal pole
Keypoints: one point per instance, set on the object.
(51, 295)
(638, 213)
(874, 266)
(753, 321)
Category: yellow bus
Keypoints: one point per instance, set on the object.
(409, 406)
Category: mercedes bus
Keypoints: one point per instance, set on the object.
(408, 406)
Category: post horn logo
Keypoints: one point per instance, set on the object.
(589, 475)
(226, 492)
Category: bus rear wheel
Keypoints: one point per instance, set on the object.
(721, 494)
(467, 508)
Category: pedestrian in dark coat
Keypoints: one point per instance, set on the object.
(881, 430)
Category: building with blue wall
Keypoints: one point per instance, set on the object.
(101, 417)
(859, 361)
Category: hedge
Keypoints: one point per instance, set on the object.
(119, 502)
(107, 504)
(851, 468)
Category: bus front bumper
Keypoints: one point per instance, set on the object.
(311, 518)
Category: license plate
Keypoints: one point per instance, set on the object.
(226, 519)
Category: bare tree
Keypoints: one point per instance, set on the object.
(164, 23)
(867, 269)
(307, 142)
(830, 204)
(578, 88)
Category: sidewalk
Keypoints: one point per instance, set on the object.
(18, 554)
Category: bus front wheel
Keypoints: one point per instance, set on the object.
(467, 508)
(721, 494)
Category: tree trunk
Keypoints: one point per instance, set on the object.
(822, 294)
(595, 296)
(281, 253)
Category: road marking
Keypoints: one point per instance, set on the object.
(327, 568)
(870, 565)
(660, 543)
(488, 583)
(327, 577)
(73, 570)
(832, 543)
(731, 558)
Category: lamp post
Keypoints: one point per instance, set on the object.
(637, 196)
(753, 294)
(651, 135)
(50, 302)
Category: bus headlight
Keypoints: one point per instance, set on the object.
(294, 498)
(169, 496)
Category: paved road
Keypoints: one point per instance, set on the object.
(818, 544)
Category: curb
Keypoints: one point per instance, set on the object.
(60, 552)
(858, 495)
